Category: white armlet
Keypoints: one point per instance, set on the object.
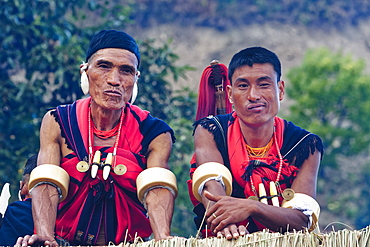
(53, 175)
(209, 171)
(218, 179)
(154, 178)
(308, 206)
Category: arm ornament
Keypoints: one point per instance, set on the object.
(153, 178)
(218, 179)
(211, 171)
(307, 205)
(53, 175)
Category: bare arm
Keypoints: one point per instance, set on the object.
(45, 197)
(230, 210)
(206, 151)
(160, 202)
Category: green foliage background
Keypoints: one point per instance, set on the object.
(331, 98)
(42, 44)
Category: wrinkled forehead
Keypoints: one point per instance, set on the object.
(116, 56)
(112, 39)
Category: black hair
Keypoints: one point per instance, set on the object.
(30, 164)
(252, 55)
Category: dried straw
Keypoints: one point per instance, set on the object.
(347, 238)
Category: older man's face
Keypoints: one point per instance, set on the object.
(112, 73)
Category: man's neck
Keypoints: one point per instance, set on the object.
(105, 119)
(257, 137)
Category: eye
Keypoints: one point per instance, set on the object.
(103, 65)
(265, 84)
(242, 85)
(127, 70)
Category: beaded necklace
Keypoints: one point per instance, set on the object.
(259, 152)
(105, 134)
(112, 162)
(273, 140)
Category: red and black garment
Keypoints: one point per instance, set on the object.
(112, 202)
(295, 145)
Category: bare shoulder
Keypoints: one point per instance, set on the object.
(50, 141)
(200, 131)
(205, 146)
(159, 151)
(162, 142)
(49, 126)
(164, 138)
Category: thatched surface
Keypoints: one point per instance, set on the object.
(347, 238)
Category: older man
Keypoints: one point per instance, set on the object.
(252, 169)
(103, 143)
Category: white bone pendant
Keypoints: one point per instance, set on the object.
(107, 166)
(273, 194)
(95, 164)
(106, 171)
(262, 193)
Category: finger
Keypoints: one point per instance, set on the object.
(25, 240)
(234, 231)
(19, 242)
(210, 217)
(211, 196)
(242, 230)
(213, 221)
(227, 233)
(219, 223)
(52, 243)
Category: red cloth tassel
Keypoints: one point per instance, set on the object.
(212, 75)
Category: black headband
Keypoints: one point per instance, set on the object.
(113, 39)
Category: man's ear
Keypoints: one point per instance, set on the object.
(23, 187)
(83, 67)
(281, 86)
(229, 93)
(137, 76)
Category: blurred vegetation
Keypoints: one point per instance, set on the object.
(225, 14)
(331, 98)
(334, 91)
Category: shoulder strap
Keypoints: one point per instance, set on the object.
(67, 119)
(221, 122)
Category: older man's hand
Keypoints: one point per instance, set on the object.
(36, 239)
